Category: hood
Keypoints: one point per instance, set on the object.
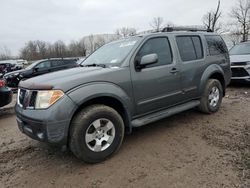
(14, 72)
(239, 58)
(68, 79)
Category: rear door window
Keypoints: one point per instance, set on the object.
(56, 63)
(216, 45)
(190, 47)
(198, 47)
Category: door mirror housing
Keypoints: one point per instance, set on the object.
(148, 60)
(36, 69)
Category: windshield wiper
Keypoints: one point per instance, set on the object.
(94, 65)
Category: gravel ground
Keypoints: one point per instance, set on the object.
(187, 150)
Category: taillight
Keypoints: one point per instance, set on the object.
(2, 83)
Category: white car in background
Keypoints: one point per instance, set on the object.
(18, 64)
(240, 62)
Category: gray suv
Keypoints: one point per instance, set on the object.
(124, 84)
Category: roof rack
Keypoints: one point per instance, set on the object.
(171, 29)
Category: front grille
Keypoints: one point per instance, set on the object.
(32, 101)
(238, 63)
(26, 98)
(239, 72)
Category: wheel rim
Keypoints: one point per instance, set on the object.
(100, 135)
(214, 97)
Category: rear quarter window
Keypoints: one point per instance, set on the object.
(70, 61)
(216, 45)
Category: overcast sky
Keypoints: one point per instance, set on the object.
(51, 20)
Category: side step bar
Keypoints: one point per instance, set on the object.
(164, 113)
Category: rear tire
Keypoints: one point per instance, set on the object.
(212, 97)
(96, 133)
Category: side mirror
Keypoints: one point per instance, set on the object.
(35, 69)
(148, 60)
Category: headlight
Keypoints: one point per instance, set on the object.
(45, 99)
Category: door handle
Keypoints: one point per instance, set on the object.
(174, 70)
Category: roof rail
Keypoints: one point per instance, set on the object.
(171, 29)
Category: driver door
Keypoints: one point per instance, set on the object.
(42, 68)
(156, 86)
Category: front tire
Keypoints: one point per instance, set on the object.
(96, 133)
(212, 97)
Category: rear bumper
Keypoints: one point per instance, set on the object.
(5, 96)
(50, 125)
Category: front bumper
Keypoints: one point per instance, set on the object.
(240, 73)
(5, 96)
(50, 125)
(12, 81)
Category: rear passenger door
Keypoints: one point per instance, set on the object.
(192, 61)
(70, 63)
(57, 65)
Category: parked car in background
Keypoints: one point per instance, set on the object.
(5, 94)
(7, 67)
(124, 84)
(38, 68)
(240, 62)
(22, 62)
(18, 64)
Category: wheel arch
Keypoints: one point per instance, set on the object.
(218, 76)
(106, 94)
(110, 101)
(213, 72)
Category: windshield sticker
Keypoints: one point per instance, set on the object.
(130, 43)
(114, 61)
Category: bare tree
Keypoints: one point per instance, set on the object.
(90, 43)
(100, 41)
(5, 53)
(41, 49)
(241, 14)
(60, 49)
(125, 31)
(77, 49)
(30, 50)
(233, 33)
(81, 48)
(34, 50)
(157, 23)
(211, 19)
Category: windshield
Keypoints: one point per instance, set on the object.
(240, 49)
(112, 54)
(33, 65)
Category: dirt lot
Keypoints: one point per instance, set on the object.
(187, 150)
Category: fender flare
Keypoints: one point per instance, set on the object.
(209, 71)
(93, 90)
